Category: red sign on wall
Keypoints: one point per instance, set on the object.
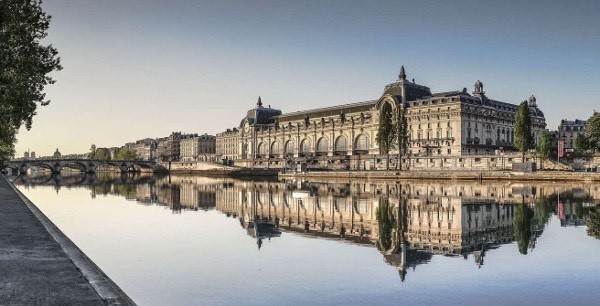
(561, 148)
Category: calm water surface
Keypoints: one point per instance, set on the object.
(187, 240)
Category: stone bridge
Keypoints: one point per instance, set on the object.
(83, 165)
(83, 179)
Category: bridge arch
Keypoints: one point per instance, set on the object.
(79, 165)
(14, 169)
(54, 167)
(84, 165)
(140, 166)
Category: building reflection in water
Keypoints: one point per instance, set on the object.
(407, 222)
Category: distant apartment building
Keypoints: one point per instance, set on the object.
(568, 130)
(145, 149)
(169, 148)
(554, 138)
(198, 148)
(74, 156)
(162, 149)
(228, 145)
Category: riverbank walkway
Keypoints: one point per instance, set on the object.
(40, 265)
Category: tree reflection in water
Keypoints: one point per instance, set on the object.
(385, 217)
(593, 223)
(522, 227)
(408, 223)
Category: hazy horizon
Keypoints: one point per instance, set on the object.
(143, 69)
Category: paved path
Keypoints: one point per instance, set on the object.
(39, 265)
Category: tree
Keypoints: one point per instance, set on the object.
(24, 67)
(581, 143)
(92, 151)
(592, 131)
(125, 154)
(386, 134)
(102, 154)
(7, 140)
(543, 148)
(523, 138)
(402, 133)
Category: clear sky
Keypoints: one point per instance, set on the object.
(138, 69)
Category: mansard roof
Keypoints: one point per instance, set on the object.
(412, 90)
(330, 111)
(446, 93)
(261, 115)
(536, 112)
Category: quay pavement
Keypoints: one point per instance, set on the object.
(40, 265)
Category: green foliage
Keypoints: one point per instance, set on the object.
(522, 227)
(544, 145)
(386, 134)
(581, 143)
(125, 154)
(593, 224)
(102, 154)
(402, 130)
(24, 67)
(7, 140)
(386, 221)
(523, 138)
(92, 151)
(544, 208)
(592, 132)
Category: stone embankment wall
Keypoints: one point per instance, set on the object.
(379, 162)
(214, 169)
(191, 166)
(446, 175)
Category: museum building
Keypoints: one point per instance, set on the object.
(442, 128)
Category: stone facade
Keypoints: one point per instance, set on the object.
(439, 219)
(169, 148)
(145, 149)
(445, 124)
(228, 144)
(198, 148)
(568, 130)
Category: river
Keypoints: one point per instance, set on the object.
(191, 240)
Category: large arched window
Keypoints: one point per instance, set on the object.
(289, 147)
(305, 146)
(261, 149)
(275, 148)
(322, 146)
(361, 143)
(341, 144)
